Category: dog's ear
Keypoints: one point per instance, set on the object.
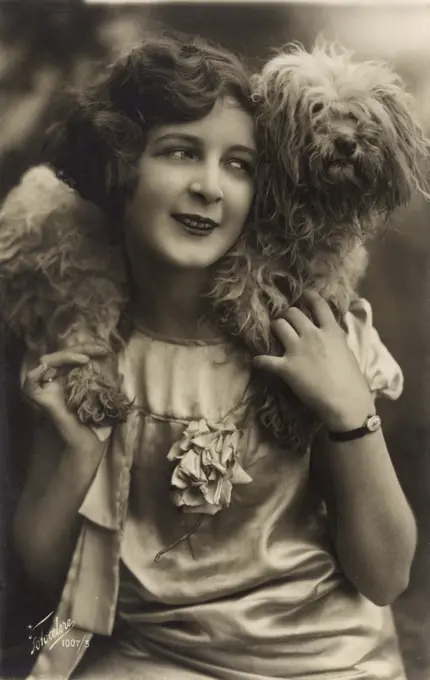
(409, 162)
(280, 128)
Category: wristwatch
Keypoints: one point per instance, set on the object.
(371, 424)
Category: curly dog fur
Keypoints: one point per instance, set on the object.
(341, 149)
(312, 214)
(61, 282)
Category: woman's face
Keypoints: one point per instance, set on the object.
(195, 188)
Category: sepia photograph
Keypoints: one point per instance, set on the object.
(214, 340)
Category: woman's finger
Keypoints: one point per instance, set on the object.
(285, 332)
(298, 320)
(51, 366)
(64, 357)
(55, 364)
(79, 354)
(89, 348)
(39, 374)
(269, 363)
(320, 309)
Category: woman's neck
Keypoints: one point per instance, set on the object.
(171, 302)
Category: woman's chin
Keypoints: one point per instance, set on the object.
(201, 257)
(193, 263)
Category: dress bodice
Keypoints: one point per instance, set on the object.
(260, 574)
(175, 384)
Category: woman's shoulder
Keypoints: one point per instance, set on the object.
(383, 373)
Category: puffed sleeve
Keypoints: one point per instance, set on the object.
(382, 372)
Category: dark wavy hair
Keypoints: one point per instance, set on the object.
(95, 148)
(166, 79)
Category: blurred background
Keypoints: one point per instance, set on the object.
(44, 45)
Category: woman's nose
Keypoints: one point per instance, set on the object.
(207, 185)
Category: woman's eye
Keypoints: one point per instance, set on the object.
(241, 165)
(180, 153)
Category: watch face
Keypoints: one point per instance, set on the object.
(374, 423)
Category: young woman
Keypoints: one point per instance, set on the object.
(210, 534)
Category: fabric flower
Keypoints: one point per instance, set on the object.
(207, 466)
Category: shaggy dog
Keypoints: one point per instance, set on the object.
(341, 149)
(62, 283)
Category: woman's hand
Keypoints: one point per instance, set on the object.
(43, 387)
(319, 366)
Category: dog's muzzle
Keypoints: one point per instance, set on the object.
(345, 146)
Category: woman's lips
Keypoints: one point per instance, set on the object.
(196, 225)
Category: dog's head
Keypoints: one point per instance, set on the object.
(339, 132)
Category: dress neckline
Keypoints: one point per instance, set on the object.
(170, 340)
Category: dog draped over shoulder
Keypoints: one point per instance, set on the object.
(61, 283)
(341, 149)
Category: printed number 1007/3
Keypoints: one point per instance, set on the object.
(75, 643)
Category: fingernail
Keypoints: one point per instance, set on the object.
(83, 358)
(97, 348)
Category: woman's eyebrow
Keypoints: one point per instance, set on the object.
(194, 139)
(178, 136)
(247, 149)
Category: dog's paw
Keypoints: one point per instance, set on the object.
(94, 393)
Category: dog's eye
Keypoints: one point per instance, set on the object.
(352, 117)
(316, 107)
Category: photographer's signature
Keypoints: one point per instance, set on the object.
(57, 631)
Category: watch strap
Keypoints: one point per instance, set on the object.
(371, 424)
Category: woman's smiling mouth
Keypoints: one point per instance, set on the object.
(196, 224)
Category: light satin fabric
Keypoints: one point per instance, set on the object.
(256, 591)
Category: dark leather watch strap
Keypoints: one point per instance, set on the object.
(372, 424)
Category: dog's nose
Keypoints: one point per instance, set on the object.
(345, 145)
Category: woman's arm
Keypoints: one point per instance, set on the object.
(47, 523)
(63, 463)
(373, 527)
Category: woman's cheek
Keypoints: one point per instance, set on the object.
(242, 200)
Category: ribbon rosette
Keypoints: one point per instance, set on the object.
(207, 467)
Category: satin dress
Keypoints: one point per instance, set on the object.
(253, 591)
